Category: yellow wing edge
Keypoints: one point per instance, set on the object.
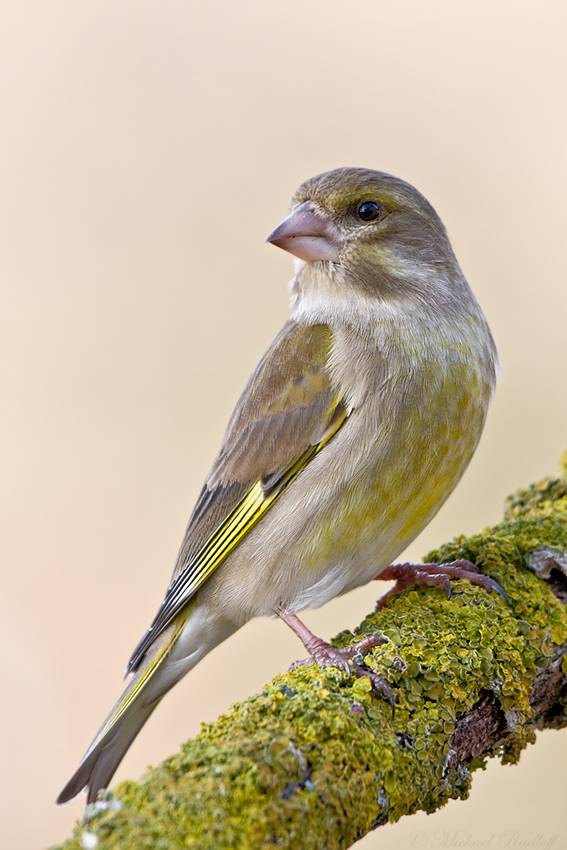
(242, 519)
(250, 510)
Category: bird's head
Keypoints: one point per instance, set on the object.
(380, 230)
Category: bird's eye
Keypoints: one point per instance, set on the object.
(369, 211)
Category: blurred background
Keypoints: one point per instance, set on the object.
(147, 150)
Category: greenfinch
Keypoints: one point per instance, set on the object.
(350, 434)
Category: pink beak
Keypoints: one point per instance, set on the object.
(305, 234)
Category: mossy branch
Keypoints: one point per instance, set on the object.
(317, 760)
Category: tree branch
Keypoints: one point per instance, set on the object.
(317, 760)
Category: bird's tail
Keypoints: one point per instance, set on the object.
(123, 724)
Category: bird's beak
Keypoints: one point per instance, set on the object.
(305, 234)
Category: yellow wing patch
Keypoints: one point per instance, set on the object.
(247, 513)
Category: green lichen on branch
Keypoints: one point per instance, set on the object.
(317, 760)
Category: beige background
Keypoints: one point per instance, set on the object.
(146, 151)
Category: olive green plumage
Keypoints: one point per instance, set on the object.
(350, 434)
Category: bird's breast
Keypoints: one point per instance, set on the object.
(413, 427)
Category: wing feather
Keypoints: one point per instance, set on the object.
(286, 414)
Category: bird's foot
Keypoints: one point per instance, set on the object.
(408, 575)
(325, 655)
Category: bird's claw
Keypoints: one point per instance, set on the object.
(408, 575)
(378, 682)
(326, 655)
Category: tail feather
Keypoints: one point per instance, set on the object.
(99, 765)
(123, 724)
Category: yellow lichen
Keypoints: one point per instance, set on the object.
(316, 760)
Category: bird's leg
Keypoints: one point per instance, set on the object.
(407, 575)
(325, 655)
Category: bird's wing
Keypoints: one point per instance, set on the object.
(286, 414)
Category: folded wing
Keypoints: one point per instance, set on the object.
(288, 411)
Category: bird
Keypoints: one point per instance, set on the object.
(351, 432)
